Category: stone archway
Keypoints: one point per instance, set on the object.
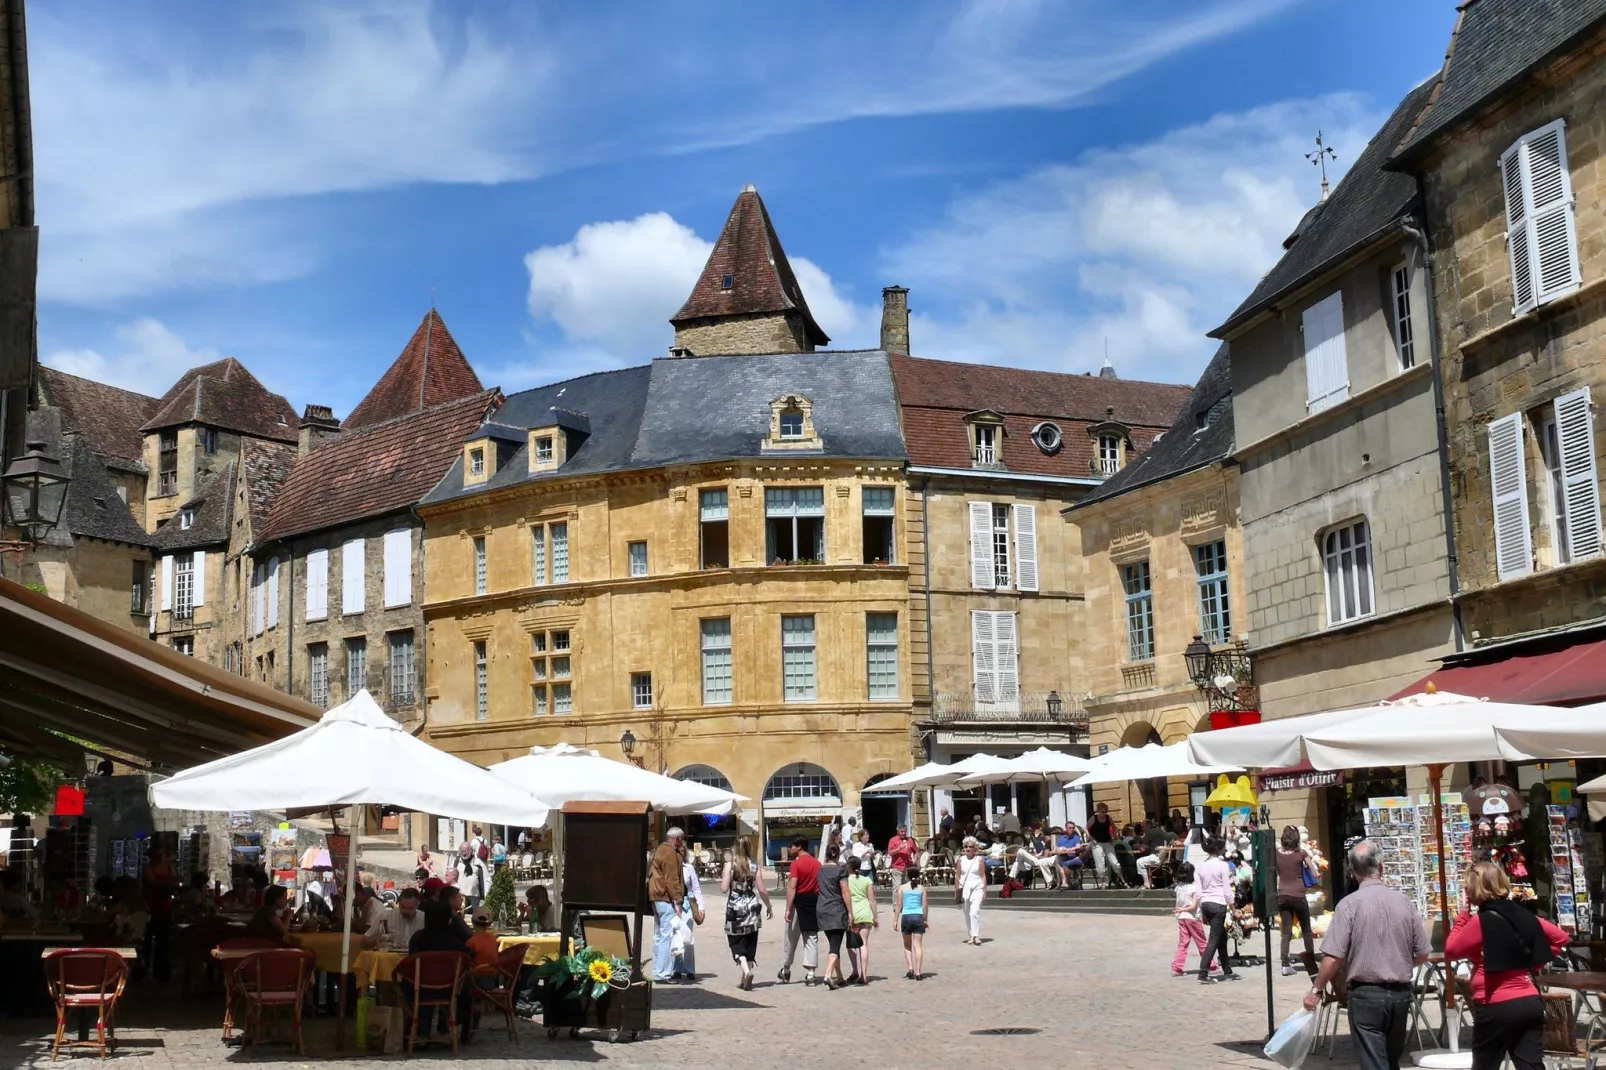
(882, 814)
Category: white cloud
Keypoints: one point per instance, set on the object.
(1142, 248)
(611, 290)
(149, 358)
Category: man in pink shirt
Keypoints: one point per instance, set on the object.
(903, 850)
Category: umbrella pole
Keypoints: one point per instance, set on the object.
(1435, 777)
(348, 901)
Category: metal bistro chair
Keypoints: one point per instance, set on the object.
(277, 980)
(1334, 1002)
(441, 975)
(502, 997)
(82, 979)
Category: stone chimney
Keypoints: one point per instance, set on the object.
(895, 319)
(318, 424)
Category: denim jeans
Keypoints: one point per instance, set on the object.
(1377, 1021)
(1214, 916)
(663, 930)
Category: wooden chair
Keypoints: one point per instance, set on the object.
(80, 979)
(502, 997)
(1561, 1042)
(440, 974)
(277, 979)
(233, 992)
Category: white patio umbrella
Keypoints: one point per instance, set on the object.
(1033, 767)
(1145, 763)
(565, 773)
(1579, 732)
(354, 756)
(918, 777)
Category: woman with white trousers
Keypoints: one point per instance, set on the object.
(970, 888)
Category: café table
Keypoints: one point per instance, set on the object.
(127, 954)
(22, 970)
(538, 947)
(375, 966)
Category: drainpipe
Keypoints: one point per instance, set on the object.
(421, 641)
(290, 630)
(925, 549)
(1416, 235)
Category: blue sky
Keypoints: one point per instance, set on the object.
(291, 183)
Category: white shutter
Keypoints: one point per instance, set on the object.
(1508, 483)
(198, 579)
(256, 600)
(981, 648)
(352, 575)
(167, 582)
(1004, 658)
(273, 592)
(317, 585)
(1026, 547)
(398, 568)
(1575, 437)
(1517, 244)
(981, 546)
(1552, 235)
(1326, 363)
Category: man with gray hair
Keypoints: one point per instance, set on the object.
(1376, 938)
(666, 888)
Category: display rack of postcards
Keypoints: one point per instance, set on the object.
(245, 850)
(1391, 824)
(1457, 850)
(128, 856)
(194, 851)
(1568, 871)
(282, 856)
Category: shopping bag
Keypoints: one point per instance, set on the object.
(677, 935)
(1293, 1040)
(394, 1026)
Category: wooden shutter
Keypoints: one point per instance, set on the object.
(1004, 658)
(982, 654)
(167, 582)
(1513, 543)
(256, 600)
(273, 592)
(198, 579)
(1580, 490)
(317, 585)
(981, 546)
(1326, 363)
(1517, 244)
(353, 575)
(1026, 547)
(1541, 228)
(398, 568)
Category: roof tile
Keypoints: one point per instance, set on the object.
(107, 417)
(225, 394)
(431, 370)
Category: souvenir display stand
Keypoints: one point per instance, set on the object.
(604, 890)
(1404, 833)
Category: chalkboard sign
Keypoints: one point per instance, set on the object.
(605, 847)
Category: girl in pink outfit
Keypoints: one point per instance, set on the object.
(1190, 930)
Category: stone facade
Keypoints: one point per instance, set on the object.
(210, 625)
(764, 332)
(93, 575)
(195, 467)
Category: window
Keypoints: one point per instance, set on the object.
(560, 553)
(183, 586)
(208, 437)
(1215, 616)
(1572, 491)
(994, 657)
(538, 700)
(234, 658)
(1404, 334)
(810, 782)
(184, 644)
(476, 461)
(1347, 560)
(1048, 437)
(1541, 231)
(562, 698)
(318, 673)
(186, 518)
(1326, 365)
(792, 423)
(557, 670)
(641, 690)
(482, 682)
(717, 686)
(986, 444)
(122, 493)
(797, 658)
(543, 450)
(727, 282)
(637, 552)
(1556, 498)
(401, 668)
(881, 640)
(991, 552)
(1109, 455)
(713, 507)
(398, 568)
(795, 525)
(139, 586)
(705, 775)
(1139, 612)
(879, 524)
(538, 576)
(317, 607)
(167, 463)
(479, 564)
(560, 640)
(1000, 546)
(356, 666)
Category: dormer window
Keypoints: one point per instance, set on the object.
(476, 461)
(1112, 445)
(543, 450)
(186, 519)
(791, 422)
(208, 437)
(1109, 455)
(985, 430)
(986, 444)
(727, 282)
(1048, 437)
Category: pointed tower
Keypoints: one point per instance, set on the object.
(430, 371)
(747, 300)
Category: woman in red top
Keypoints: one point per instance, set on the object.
(1505, 944)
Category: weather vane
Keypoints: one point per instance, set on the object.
(1319, 158)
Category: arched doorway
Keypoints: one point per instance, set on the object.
(716, 830)
(882, 813)
(706, 775)
(798, 801)
(1145, 797)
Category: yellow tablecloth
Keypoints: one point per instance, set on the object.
(327, 947)
(537, 946)
(372, 967)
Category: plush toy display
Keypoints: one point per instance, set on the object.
(1489, 800)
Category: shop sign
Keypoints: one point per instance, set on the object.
(1310, 778)
(339, 844)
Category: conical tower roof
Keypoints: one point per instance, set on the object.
(430, 371)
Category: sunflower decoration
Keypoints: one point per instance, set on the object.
(586, 972)
(601, 971)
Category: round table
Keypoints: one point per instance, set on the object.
(327, 947)
(375, 967)
(538, 947)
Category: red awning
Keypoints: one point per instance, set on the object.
(1573, 676)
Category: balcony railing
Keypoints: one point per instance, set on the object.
(1031, 707)
(183, 610)
(1105, 466)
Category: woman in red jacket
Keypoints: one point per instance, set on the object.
(1505, 943)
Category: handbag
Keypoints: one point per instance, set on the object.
(1304, 871)
(697, 914)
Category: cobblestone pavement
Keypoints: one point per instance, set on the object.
(1098, 988)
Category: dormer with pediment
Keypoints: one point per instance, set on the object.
(985, 428)
(792, 424)
(1112, 444)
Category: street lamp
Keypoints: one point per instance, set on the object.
(1197, 655)
(35, 491)
(627, 743)
(1055, 704)
(1226, 678)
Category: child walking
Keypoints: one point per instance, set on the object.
(1189, 928)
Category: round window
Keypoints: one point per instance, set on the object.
(1048, 437)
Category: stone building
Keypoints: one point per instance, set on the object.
(998, 629)
(1163, 560)
(1509, 155)
(1349, 574)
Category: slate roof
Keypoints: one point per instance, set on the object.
(92, 507)
(213, 503)
(375, 470)
(107, 417)
(749, 251)
(1367, 202)
(266, 467)
(430, 371)
(1186, 446)
(1496, 43)
(224, 394)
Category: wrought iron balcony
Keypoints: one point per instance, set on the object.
(1030, 707)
